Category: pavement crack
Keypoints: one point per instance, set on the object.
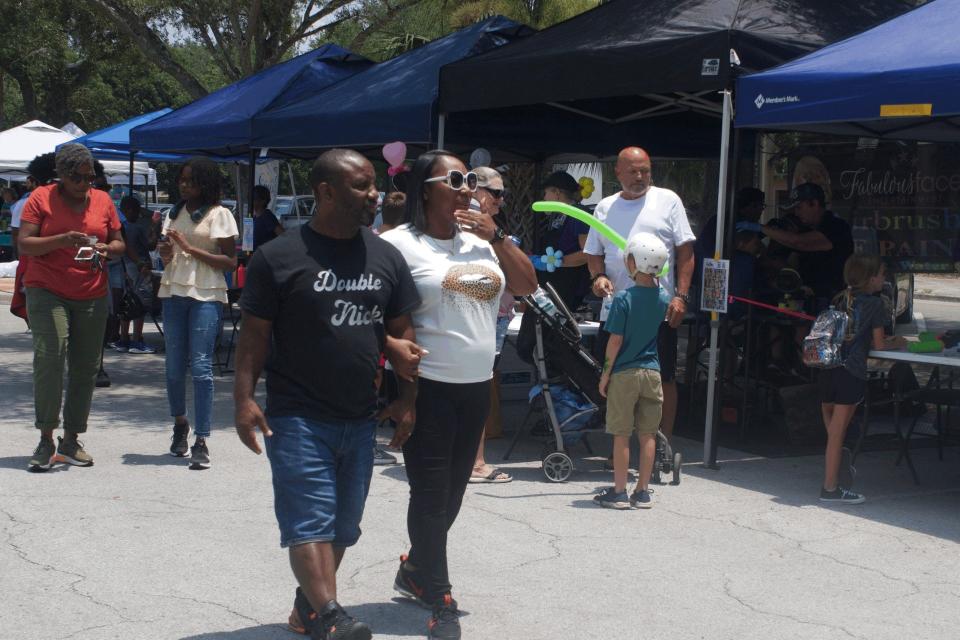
(552, 538)
(219, 605)
(728, 591)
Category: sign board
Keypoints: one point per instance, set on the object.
(716, 282)
(901, 199)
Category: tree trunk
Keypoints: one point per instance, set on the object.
(149, 43)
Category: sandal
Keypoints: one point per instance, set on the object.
(496, 476)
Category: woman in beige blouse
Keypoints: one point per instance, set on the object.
(197, 246)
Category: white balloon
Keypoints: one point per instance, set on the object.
(480, 158)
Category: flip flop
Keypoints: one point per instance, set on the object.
(492, 478)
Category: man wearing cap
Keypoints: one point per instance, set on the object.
(640, 206)
(824, 244)
(568, 236)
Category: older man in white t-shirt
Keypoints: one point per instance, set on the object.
(639, 206)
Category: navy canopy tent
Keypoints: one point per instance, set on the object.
(394, 100)
(647, 72)
(897, 80)
(113, 142)
(221, 123)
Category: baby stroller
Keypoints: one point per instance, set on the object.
(558, 355)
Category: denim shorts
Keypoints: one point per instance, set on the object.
(321, 475)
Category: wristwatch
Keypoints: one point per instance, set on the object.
(498, 235)
(685, 297)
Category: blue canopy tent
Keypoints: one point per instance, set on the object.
(394, 100)
(113, 142)
(221, 123)
(898, 80)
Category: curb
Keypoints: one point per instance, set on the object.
(938, 298)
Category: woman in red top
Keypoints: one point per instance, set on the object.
(67, 298)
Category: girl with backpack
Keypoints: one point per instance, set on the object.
(842, 388)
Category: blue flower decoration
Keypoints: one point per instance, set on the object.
(552, 260)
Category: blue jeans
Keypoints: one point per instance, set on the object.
(190, 333)
(321, 476)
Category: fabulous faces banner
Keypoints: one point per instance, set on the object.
(902, 199)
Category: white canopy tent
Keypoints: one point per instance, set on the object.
(20, 145)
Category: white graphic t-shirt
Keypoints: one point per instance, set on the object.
(460, 283)
(659, 212)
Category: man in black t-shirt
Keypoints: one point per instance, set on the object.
(823, 246)
(319, 307)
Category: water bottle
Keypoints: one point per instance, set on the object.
(544, 302)
(605, 308)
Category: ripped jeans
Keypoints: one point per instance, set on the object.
(190, 332)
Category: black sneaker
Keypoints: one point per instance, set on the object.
(641, 499)
(610, 499)
(179, 446)
(335, 624)
(199, 455)
(406, 585)
(381, 457)
(43, 456)
(841, 495)
(444, 624)
(103, 380)
(303, 618)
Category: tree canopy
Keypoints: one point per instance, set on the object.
(101, 61)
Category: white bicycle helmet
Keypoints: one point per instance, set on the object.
(649, 253)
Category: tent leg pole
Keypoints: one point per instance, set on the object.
(441, 130)
(709, 450)
(131, 173)
(251, 182)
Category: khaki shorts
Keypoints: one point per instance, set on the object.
(634, 402)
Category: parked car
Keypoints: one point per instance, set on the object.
(292, 211)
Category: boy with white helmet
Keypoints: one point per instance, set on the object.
(631, 369)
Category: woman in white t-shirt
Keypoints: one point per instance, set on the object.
(461, 266)
(197, 245)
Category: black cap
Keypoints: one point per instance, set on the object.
(563, 181)
(804, 192)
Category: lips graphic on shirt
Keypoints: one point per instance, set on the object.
(472, 281)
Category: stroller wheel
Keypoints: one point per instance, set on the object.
(655, 476)
(557, 466)
(677, 459)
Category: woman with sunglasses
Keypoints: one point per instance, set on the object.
(67, 229)
(461, 266)
(197, 245)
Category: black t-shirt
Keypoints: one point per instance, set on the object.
(264, 228)
(867, 313)
(328, 300)
(822, 271)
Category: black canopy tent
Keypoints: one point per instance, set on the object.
(658, 73)
(627, 62)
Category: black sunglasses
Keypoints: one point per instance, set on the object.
(496, 193)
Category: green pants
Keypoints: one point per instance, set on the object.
(68, 331)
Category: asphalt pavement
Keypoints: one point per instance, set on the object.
(138, 546)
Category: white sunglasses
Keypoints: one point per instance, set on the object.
(455, 179)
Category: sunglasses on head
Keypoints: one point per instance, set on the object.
(455, 179)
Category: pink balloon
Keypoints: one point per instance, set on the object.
(394, 153)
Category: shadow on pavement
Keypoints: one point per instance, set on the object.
(263, 632)
(155, 459)
(892, 496)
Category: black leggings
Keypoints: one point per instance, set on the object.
(439, 458)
